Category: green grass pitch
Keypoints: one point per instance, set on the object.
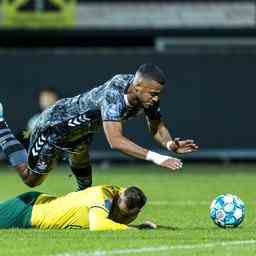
(178, 201)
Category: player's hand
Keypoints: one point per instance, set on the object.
(147, 225)
(183, 146)
(172, 163)
(164, 160)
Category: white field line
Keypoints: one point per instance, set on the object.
(158, 249)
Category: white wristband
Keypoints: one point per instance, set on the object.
(169, 144)
(156, 158)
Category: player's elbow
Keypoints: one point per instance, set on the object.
(116, 144)
(96, 226)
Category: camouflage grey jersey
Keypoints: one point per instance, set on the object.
(71, 119)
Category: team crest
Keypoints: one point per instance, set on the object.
(107, 204)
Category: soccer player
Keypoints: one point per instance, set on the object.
(96, 208)
(46, 97)
(70, 123)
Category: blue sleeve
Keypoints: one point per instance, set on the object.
(153, 113)
(112, 107)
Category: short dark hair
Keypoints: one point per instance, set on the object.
(152, 72)
(49, 90)
(135, 198)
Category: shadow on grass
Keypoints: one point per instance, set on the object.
(174, 228)
(164, 227)
(213, 228)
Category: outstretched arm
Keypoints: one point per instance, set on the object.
(145, 225)
(98, 221)
(111, 112)
(162, 135)
(159, 131)
(114, 134)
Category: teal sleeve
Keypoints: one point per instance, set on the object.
(16, 212)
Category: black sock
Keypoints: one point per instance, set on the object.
(83, 177)
(12, 148)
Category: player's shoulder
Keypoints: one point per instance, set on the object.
(117, 86)
(122, 77)
(121, 80)
(107, 190)
(113, 189)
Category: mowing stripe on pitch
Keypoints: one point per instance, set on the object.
(187, 203)
(158, 249)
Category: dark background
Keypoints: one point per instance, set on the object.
(210, 95)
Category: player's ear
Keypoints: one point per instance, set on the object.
(137, 82)
(137, 87)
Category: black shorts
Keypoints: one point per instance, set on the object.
(51, 144)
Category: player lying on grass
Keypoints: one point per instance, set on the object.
(96, 208)
(70, 123)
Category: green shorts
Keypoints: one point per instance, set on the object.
(16, 212)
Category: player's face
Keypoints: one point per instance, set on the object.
(123, 209)
(148, 93)
(119, 211)
(46, 99)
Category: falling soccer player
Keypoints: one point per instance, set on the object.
(70, 123)
(96, 208)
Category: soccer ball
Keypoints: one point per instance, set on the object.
(227, 211)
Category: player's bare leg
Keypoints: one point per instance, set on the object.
(29, 177)
(16, 154)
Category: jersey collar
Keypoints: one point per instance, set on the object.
(126, 101)
(129, 83)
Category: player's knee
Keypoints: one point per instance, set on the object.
(32, 182)
(33, 179)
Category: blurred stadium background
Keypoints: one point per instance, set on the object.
(206, 48)
(208, 51)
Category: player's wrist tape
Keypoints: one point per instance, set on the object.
(156, 158)
(170, 144)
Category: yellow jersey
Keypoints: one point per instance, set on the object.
(87, 209)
